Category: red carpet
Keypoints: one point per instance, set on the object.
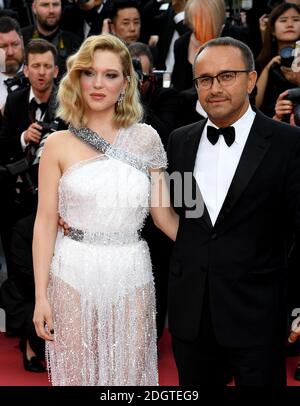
(13, 374)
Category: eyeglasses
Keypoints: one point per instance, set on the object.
(225, 78)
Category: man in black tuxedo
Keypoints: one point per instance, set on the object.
(169, 25)
(25, 109)
(22, 134)
(26, 114)
(228, 269)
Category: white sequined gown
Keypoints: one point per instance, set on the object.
(101, 286)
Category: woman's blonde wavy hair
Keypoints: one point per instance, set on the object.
(71, 106)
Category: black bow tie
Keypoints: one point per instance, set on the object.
(214, 133)
(34, 105)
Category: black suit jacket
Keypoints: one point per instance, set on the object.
(164, 26)
(16, 119)
(73, 19)
(242, 259)
(66, 43)
(182, 76)
(188, 100)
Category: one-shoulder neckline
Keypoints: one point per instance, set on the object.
(79, 164)
(94, 139)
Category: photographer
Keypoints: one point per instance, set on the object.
(29, 117)
(275, 60)
(11, 77)
(11, 57)
(161, 104)
(27, 113)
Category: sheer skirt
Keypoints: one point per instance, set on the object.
(96, 344)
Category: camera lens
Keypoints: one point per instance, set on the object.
(287, 56)
(297, 115)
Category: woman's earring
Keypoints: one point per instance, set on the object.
(121, 98)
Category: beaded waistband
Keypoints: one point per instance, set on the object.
(116, 238)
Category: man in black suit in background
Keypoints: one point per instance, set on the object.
(85, 18)
(228, 268)
(26, 115)
(22, 135)
(25, 109)
(47, 19)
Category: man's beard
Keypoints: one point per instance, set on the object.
(13, 67)
(48, 27)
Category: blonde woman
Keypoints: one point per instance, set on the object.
(96, 308)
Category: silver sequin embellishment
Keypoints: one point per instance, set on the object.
(116, 238)
(100, 144)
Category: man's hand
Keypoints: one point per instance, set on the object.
(63, 225)
(153, 40)
(106, 26)
(295, 330)
(33, 133)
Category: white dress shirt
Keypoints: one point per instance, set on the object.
(215, 165)
(3, 88)
(39, 115)
(170, 59)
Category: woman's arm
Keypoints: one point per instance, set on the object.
(162, 212)
(263, 81)
(44, 235)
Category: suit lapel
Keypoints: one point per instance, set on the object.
(191, 146)
(190, 153)
(254, 151)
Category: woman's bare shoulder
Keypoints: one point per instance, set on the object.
(58, 137)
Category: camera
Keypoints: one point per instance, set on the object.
(138, 69)
(25, 186)
(163, 78)
(35, 151)
(48, 127)
(17, 82)
(294, 96)
(287, 56)
(159, 78)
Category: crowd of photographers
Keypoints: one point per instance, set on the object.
(36, 38)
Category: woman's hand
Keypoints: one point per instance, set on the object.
(283, 106)
(275, 59)
(263, 22)
(63, 225)
(42, 319)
